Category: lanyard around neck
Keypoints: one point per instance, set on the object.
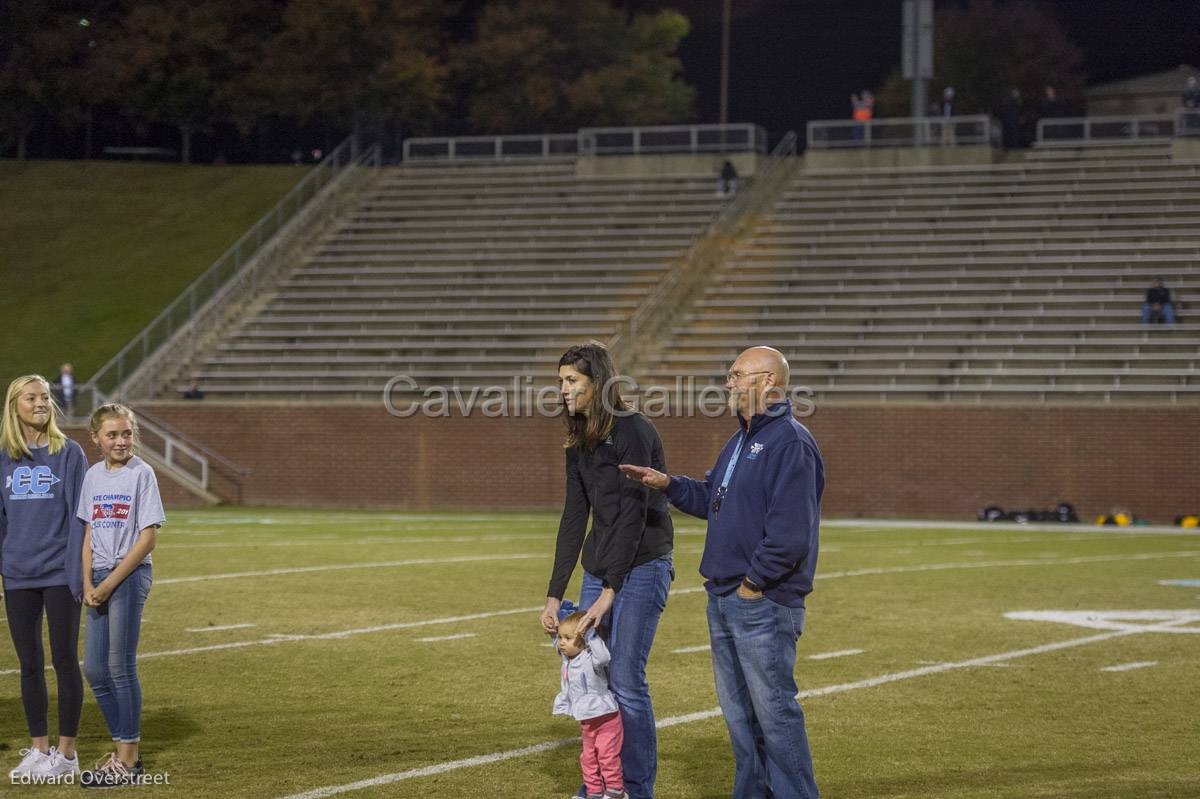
(729, 467)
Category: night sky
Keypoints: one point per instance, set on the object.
(795, 60)
(792, 61)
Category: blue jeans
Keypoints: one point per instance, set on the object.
(1167, 312)
(754, 662)
(632, 623)
(110, 653)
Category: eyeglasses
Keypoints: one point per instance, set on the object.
(735, 376)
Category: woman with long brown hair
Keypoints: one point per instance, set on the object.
(626, 555)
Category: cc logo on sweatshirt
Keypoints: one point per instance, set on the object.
(27, 480)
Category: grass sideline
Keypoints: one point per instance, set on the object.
(334, 683)
(93, 250)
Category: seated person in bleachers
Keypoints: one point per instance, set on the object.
(1158, 305)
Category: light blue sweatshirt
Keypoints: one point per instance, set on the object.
(41, 541)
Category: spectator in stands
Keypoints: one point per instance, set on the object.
(194, 392)
(1051, 105)
(1158, 305)
(862, 110)
(946, 109)
(760, 558)
(1010, 120)
(64, 389)
(627, 568)
(1191, 93)
(727, 180)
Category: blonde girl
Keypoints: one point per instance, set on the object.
(122, 511)
(41, 545)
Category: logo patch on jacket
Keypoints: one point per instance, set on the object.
(755, 449)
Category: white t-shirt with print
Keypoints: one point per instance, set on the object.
(119, 504)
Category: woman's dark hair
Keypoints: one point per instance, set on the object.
(593, 361)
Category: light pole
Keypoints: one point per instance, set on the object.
(726, 14)
(917, 58)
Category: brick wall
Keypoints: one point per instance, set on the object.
(923, 461)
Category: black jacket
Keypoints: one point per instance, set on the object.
(631, 524)
(1158, 296)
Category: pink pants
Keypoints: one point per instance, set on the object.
(601, 756)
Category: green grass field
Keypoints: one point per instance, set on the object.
(335, 672)
(93, 250)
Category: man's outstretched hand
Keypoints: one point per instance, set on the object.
(646, 476)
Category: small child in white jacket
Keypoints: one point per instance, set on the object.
(585, 697)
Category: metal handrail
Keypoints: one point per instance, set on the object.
(164, 430)
(663, 139)
(706, 252)
(637, 140)
(1111, 128)
(171, 449)
(1187, 122)
(974, 129)
(160, 330)
(172, 444)
(489, 148)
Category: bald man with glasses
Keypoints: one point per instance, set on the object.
(762, 501)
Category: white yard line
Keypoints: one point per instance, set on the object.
(447, 637)
(942, 662)
(440, 768)
(989, 564)
(218, 629)
(369, 541)
(983, 564)
(1000, 528)
(686, 649)
(1142, 664)
(495, 757)
(841, 654)
(383, 564)
(209, 520)
(278, 638)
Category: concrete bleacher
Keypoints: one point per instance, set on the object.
(1013, 281)
(460, 275)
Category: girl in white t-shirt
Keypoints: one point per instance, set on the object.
(121, 506)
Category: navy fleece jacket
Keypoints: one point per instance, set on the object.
(767, 528)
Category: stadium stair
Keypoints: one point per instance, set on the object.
(1019, 281)
(460, 276)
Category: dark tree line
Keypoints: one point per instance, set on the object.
(262, 68)
(985, 49)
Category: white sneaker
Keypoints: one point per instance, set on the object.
(59, 765)
(32, 762)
